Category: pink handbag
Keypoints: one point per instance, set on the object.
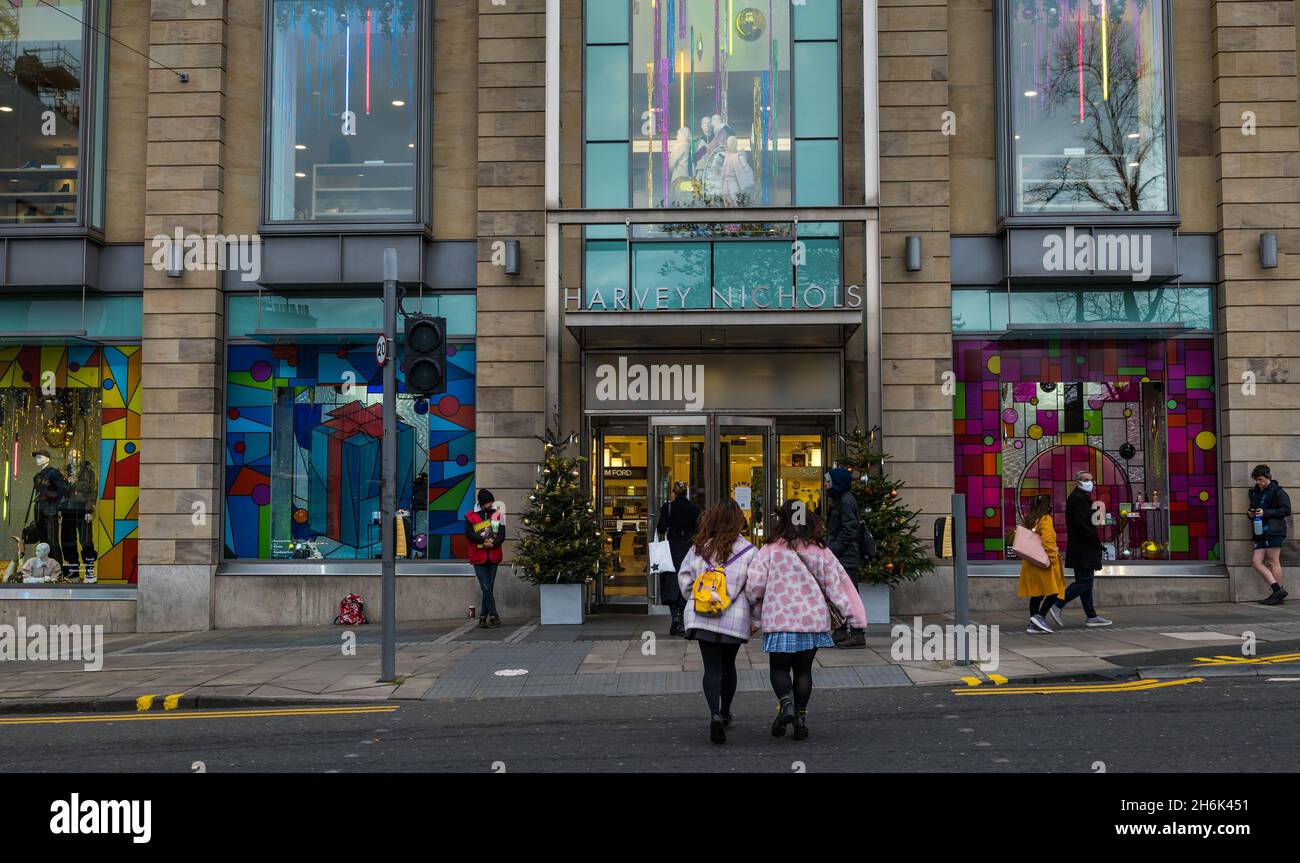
(1028, 546)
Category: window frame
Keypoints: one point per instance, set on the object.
(422, 195)
(95, 60)
(1006, 203)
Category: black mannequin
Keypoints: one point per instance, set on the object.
(78, 508)
(48, 491)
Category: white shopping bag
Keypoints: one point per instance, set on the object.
(661, 556)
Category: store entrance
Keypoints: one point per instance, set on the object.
(759, 462)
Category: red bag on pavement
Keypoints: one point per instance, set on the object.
(352, 611)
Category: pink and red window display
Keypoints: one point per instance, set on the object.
(1138, 415)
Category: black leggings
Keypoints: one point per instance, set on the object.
(719, 674)
(792, 672)
(1041, 604)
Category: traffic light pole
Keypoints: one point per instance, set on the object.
(388, 473)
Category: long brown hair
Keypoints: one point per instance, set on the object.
(719, 528)
(1039, 506)
(797, 525)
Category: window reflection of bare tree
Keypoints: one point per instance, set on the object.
(1106, 125)
(1082, 306)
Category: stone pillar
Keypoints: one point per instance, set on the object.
(511, 359)
(180, 472)
(916, 348)
(1258, 310)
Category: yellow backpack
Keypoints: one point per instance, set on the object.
(710, 589)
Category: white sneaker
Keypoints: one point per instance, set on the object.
(1037, 620)
(1034, 630)
(1099, 621)
(1056, 615)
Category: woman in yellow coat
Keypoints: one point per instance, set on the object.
(1036, 582)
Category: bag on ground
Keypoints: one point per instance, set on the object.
(352, 611)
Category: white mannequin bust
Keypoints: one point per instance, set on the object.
(41, 568)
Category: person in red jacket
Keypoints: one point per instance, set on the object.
(486, 533)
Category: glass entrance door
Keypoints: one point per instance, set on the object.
(744, 470)
(622, 483)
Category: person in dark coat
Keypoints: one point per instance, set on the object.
(1082, 552)
(843, 523)
(1271, 505)
(678, 521)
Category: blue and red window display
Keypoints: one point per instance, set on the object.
(302, 454)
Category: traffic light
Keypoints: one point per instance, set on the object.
(425, 357)
(943, 529)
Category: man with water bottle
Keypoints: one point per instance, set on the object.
(1269, 508)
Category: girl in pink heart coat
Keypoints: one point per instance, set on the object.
(787, 587)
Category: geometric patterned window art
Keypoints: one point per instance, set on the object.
(79, 406)
(303, 430)
(1138, 415)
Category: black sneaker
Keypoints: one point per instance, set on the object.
(483, 622)
(784, 715)
(726, 719)
(1275, 598)
(716, 729)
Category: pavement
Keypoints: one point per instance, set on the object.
(622, 655)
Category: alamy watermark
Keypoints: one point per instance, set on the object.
(655, 382)
(181, 252)
(20, 642)
(917, 642)
(1107, 253)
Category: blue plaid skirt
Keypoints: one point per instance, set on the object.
(795, 642)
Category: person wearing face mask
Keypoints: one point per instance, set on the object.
(1082, 553)
(48, 490)
(41, 568)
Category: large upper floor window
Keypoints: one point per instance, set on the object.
(344, 111)
(1086, 86)
(711, 103)
(47, 99)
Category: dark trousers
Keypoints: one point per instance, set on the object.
(76, 530)
(1041, 604)
(719, 674)
(49, 533)
(487, 576)
(1081, 588)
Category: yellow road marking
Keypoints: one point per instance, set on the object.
(998, 679)
(171, 701)
(971, 681)
(211, 714)
(144, 702)
(1087, 688)
(1248, 660)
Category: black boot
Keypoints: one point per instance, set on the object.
(784, 715)
(483, 622)
(801, 725)
(716, 726)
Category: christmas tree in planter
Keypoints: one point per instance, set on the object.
(901, 555)
(561, 541)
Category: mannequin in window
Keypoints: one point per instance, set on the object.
(42, 568)
(48, 492)
(702, 142)
(737, 175)
(78, 516)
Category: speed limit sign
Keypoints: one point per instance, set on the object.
(381, 350)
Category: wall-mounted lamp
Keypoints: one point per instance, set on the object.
(512, 257)
(913, 254)
(1268, 251)
(175, 259)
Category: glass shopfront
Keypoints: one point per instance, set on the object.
(70, 423)
(1139, 415)
(46, 59)
(735, 428)
(1085, 85)
(344, 110)
(304, 419)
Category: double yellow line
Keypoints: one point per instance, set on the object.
(1083, 688)
(1248, 660)
(198, 714)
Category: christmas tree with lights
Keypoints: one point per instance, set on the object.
(901, 555)
(561, 541)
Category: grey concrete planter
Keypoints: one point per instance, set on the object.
(875, 599)
(563, 603)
